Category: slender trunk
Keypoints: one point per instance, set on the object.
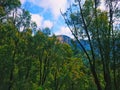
(12, 72)
(97, 82)
(114, 62)
(108, 85)
(56, 81)
(41, 63)
(28, 69)
(45, 69)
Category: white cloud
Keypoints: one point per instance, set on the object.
(64, 31)
(37, 18)
(102, 5)
(53, 5)
(41, 23)
(22, 1)
(47, 23)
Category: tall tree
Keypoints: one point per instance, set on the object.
(89, 22)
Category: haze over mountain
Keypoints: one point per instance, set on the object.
(70, 41)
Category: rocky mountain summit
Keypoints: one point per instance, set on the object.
(64, 39)
(71, 42)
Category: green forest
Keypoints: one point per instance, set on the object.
(32, 59)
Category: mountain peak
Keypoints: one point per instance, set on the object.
(68, 40)
(64, 39)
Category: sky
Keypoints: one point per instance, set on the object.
(46, 13)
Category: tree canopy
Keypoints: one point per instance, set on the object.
(32, 59)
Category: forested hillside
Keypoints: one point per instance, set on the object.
(31, 59)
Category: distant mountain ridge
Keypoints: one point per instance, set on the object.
(70, 41)
(64, 39)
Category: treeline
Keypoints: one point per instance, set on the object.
(30, 59)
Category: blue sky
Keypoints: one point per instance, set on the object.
(46, 13)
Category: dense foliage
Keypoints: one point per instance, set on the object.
(30, 59)
(101, 29)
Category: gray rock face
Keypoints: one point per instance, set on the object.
(68, 40)
(64, 39)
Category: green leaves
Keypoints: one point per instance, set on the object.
(90, 22)
(30, 59)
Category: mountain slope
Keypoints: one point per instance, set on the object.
(70, 41)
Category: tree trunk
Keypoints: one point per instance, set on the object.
(97, 82)
(11, 73)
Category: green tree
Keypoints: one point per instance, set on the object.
(6, 6)
(88, 21)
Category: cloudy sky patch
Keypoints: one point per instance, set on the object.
(46, 13)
